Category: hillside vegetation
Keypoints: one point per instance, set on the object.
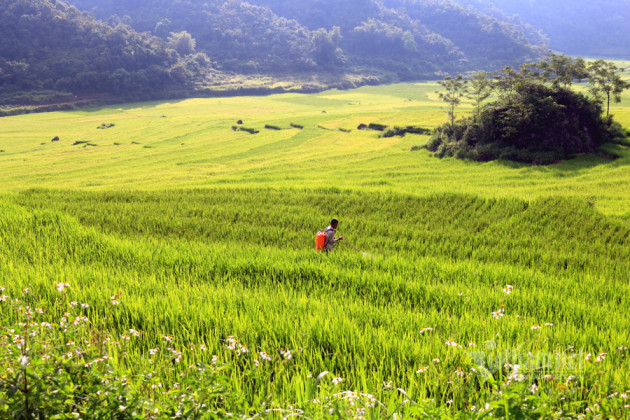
(52, 52)
(408, 39)
(59, 52)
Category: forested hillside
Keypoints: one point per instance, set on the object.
(50, 46)
(576, 27)
(412, 38)
(143, 49)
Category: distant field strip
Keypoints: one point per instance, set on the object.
(191, 143)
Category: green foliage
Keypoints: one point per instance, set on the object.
(534, 119)
(456, 88)
(481, 88)
(182, 42)
(607, 82)
(57, 363)
(52, 46)
(410, 39)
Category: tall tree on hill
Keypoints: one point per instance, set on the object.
(561, 69)
(606, 80)
(482, 85)
(456, 89)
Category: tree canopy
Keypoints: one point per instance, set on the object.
(536, 116)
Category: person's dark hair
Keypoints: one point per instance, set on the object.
(334, 222)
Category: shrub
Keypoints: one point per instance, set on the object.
(377, 127)
(249, 130)
(389, 132)
(535, 124)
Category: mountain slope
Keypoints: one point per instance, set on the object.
(47, 45)
(140, 49)
(575, 27)
(411, 38)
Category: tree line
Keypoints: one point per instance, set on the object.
(536, 116)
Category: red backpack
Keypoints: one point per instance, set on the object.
(320, 241)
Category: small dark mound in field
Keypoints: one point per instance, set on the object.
(394, 131)
(76, 143)
(105, 126)
(377, 127)
(239, 122)
(56, 138)
(134, 142)
(247, 130)
(323, 112)
(117, 144)
(300, 127)
(272, 127)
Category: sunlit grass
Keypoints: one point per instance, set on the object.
(190, 143)
(204, 232)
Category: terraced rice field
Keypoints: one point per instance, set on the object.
(203, 237)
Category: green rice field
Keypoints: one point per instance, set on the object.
(478, 290)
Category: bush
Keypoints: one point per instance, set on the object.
(249, 130)
(535, 124)
(390, 132)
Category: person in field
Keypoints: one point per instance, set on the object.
(330, 242)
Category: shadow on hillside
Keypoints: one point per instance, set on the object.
(612, 155)
(130, 106)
